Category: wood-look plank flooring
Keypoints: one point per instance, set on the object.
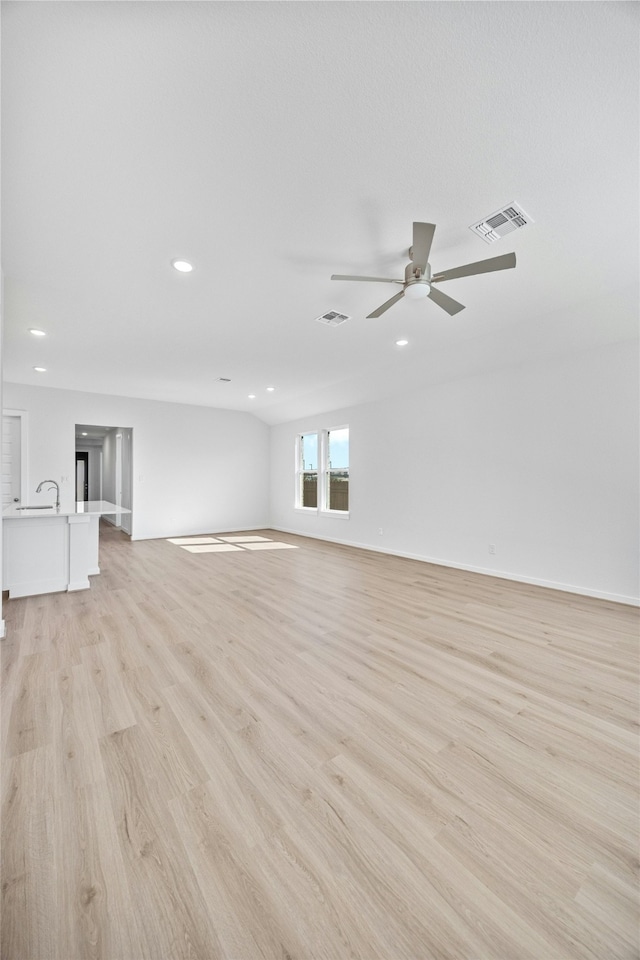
(316, 754)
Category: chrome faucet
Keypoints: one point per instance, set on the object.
(39, 488)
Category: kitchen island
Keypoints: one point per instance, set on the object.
(49, 549)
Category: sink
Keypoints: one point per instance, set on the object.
(47, 506)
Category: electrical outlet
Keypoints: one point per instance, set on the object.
(492, 549)
(380, 531)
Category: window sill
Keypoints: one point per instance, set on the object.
(307, 510)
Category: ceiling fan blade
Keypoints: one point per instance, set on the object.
(385, 306)
(482, 266)
(447, 303)
(340, 276)
(422, 240)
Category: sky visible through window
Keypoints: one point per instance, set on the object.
(310, 451)
(338, 449)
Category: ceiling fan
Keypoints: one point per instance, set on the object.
(418, 281)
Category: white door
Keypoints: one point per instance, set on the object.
(11, 459)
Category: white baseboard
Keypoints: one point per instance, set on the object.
(3, 630)
(500, 574)
(78, 585)
(35, 588)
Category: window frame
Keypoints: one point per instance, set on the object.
(323, 473)
(324, 500)
(300, 471)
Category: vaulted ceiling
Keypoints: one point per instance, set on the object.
(273, 144)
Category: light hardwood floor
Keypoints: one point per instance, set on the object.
(316, 754)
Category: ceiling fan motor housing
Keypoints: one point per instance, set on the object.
(415, 273)
(417, 281)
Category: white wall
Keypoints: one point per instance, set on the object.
(125, 485)
(540, 460)
(117, 474)
(109, 466)
(195, 469)
(109, 470)
(2, 625)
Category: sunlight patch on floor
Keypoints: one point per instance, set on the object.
(209, 547)
(228, 544)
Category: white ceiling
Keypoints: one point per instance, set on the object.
(89, 435)
(273, 144)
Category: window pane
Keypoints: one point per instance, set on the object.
(309, 451)
(337, 482)
(339, 448)
(338, 492)
(309, 492)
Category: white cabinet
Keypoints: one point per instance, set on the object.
(48, 552)
(45, 554)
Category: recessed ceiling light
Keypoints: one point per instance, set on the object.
(270, 389)
(401, 343)
(252, 396)
(37, 333)
(84, 434)
(182, 265)
(40, 369)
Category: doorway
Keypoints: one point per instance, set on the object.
(82, 475)
(104, 468)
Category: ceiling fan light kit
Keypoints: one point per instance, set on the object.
(418, 280)
(417, 290)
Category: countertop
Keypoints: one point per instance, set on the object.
(91, 507)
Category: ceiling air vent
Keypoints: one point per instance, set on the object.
(333, 319)
(223, 379)
(502, 222)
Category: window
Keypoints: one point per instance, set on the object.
(322, 471)
(307, 471)
(337, 469)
